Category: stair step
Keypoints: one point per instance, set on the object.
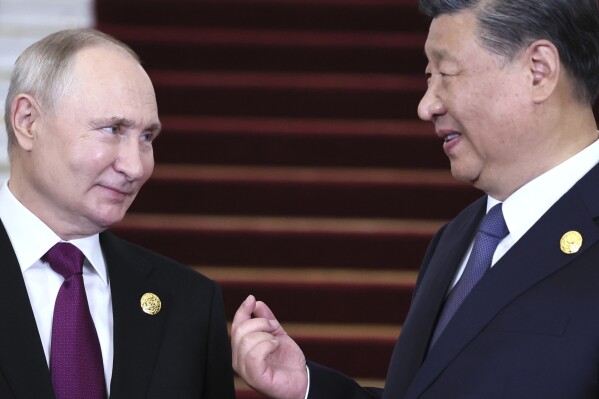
(177, 48)
(345, 346)
(195, 95)
(307, 276)
(312, 295)
(317, 15)
(286, 191)
(299, 81)
(304, 127)
(324, 302)
(270, 37)
(297, 142)
(285, 242)
(348, 331)
(245, 392)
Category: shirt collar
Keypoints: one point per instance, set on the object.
(526, 205)
(31, 238)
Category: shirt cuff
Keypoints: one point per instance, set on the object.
(307, 390)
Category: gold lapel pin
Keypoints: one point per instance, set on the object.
(150, 303)
(570, 242)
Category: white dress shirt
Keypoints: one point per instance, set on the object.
(526, 205)
(31, 239)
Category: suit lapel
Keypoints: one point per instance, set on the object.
(22, 360)
(411, 347)
(137, 335)
(534, 257)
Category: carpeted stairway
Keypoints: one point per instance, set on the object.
(292, 164)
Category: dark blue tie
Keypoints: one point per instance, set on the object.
(490, 232)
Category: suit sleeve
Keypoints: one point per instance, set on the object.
(219, 372)
(326, 383)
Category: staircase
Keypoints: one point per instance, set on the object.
(292, 165)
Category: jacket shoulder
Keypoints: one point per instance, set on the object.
(146, 260)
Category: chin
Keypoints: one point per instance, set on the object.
(458, 175)
(465, 173)
(104, 221)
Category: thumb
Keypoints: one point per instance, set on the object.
(245, 311)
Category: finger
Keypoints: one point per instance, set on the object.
(246, 332)
(262, 310)
(244, 312)
(250, 350)
(253, 326)
(255, 368)
(247, 320)
(244, 322)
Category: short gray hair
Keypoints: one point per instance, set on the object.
(43, 69)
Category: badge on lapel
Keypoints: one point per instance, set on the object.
(570, 242)
(150, 303)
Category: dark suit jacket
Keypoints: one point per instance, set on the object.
(181, 352)
(529, 329)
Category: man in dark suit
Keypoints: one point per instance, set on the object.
(511, 88)
(81, 116)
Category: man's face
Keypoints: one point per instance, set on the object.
(476, 101)
(93, 153)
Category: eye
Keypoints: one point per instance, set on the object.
(449, 74)
(147, 137)
(112, 129)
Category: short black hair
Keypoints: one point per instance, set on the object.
(508, 26)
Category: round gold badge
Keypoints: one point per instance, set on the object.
(150, 303)
(570, 242)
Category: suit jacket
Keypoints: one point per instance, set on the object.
(529, 329)
(181, 352)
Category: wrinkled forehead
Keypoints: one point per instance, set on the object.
(112, 71)
(108, 81)
(105, 61)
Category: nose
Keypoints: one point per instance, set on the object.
(133, 161)
(430, 105)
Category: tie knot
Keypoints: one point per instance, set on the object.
(493, 223)
(65, 259)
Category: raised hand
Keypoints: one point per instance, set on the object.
(264, 355)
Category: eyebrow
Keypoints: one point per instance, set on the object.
(441, 55)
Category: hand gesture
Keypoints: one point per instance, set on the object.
(264, 355)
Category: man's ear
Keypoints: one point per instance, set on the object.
(25, 118)
(544, 63)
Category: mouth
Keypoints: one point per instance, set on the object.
(451, 137)
(119, 191)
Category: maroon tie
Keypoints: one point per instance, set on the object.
(76, 364)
